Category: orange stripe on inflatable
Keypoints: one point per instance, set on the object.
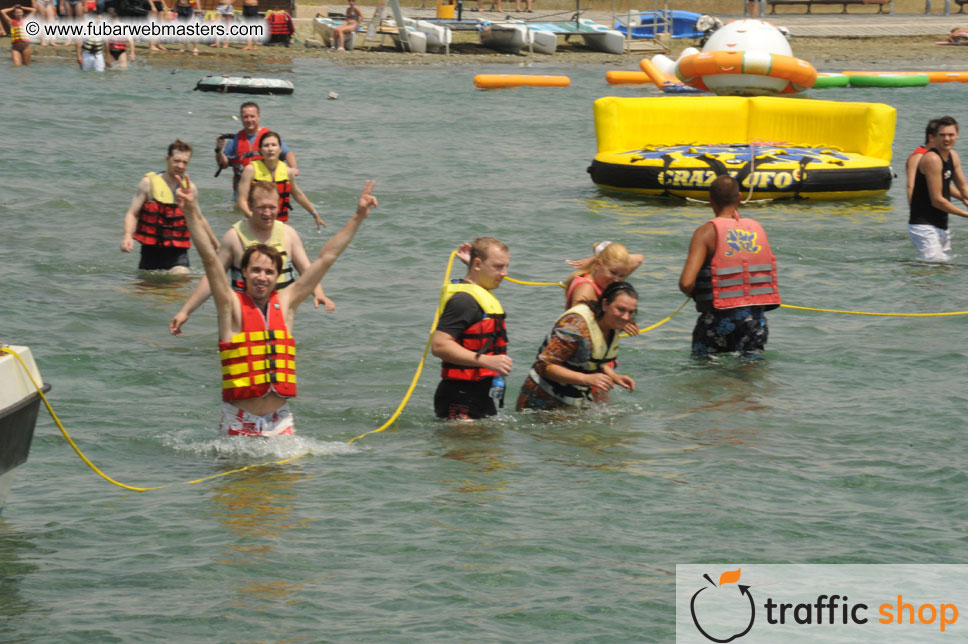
(494, 81)
(691, 69)
(621, 77)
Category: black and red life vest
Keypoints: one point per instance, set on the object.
(488, 336)
(160, 221)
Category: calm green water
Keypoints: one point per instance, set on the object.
(845, 444)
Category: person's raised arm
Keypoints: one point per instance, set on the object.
(301, 263)
(245, 184)
(700, 248)
(203, 291)
(131, 217)
(304, 201)
(219, 284)
(300, 290)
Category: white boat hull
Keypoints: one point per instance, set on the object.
(19, 406)
(513, 37)
(605, 40)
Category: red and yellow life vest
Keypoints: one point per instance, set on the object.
(17, 33)
(742, 271)
(283, 184)
(485, 337)
(245, 153)
(262, 357)
(160, 221)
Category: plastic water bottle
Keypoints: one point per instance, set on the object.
(497, 390)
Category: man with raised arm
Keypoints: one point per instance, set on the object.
(256, 347)
(261, 228)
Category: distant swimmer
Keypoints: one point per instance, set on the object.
(271, 168)
(471, 336)
(610, 263)
(260, 228)
(730, 272)
(155, 220)
(958, 34)
(575, 361)
(257, 350)
(243, 148)
(19, 42)
(930, 198)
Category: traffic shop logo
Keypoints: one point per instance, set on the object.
(723, 612)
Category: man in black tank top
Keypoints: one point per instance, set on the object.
(931, 197)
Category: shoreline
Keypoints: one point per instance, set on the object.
(826, 53)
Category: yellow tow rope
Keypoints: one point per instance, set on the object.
(886, 315)
(410, 390)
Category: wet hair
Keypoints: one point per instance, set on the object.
(723, 192)
(262, 186)
(614, 254)
(945, 121)
(179, 146)
(930, 130)
(481, 247)
(611, 292)
(267, 135)
(250, 104)
(262, 249)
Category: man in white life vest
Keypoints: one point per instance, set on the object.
(731, 274)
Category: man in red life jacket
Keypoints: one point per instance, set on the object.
(932, 193)
(243, 148)
(731, 274)
(156, 221)
(471, 338)
(256, 347)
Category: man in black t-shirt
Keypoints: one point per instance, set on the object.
(470, 337)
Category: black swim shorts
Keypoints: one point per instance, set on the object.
(162, 258)
(464, 399)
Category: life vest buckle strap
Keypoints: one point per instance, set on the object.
(729, 270)
(758, 279)
(733, 282)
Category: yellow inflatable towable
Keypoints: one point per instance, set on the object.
(775, 147)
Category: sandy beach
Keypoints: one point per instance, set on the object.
(825, 53)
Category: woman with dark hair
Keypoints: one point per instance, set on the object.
(574, 364)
